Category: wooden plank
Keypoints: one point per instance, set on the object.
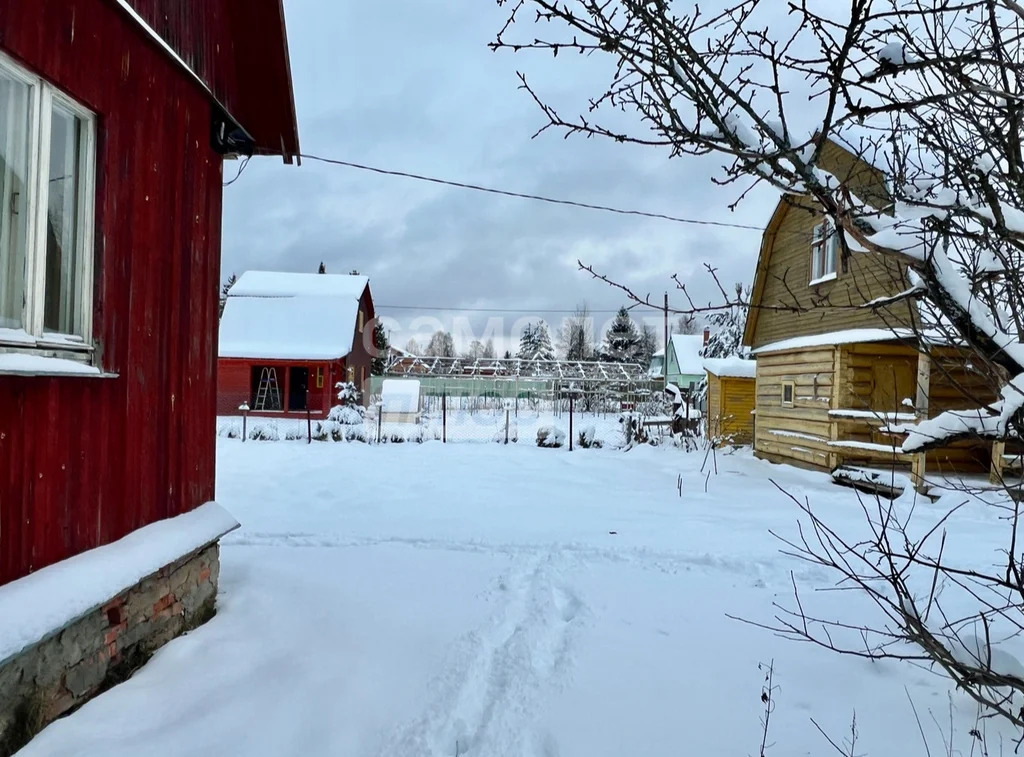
(117, 453)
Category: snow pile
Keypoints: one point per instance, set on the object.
(988, 422)
(281, 284)
(550, 436)
(895, 53)
(400, 396)
(42, 603)
(731, 367)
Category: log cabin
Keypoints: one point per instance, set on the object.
(116, 119)
(833, 372)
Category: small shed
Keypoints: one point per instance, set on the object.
(400, 401)
(731, 394)
(286, 340)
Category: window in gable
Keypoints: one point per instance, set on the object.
(824, 253)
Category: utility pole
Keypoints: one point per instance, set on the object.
(664, 362)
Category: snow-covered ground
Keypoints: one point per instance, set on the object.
(412, 600)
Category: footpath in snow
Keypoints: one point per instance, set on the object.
(437, 600)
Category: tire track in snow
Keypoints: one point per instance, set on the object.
(486, 700)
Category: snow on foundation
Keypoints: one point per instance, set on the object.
(41, 603)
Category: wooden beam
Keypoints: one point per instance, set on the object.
(996, 473)
(924, 385)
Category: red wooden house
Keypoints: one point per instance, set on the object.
(286, 340)
(116, 117)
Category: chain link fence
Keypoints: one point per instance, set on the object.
(559, 416)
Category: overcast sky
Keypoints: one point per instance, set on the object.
(411, 85)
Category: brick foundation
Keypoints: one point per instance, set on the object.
(103, 647)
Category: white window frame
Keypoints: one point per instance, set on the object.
(824, 252)
(32, 336)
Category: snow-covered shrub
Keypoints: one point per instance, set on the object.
(549, 436)
(513, 433)
(347, 415)
(264, 432)
(587, 438)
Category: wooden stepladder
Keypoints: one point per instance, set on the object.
(269, 391)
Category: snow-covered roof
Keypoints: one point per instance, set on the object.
(288, 328)
(291, 316)
(687, 348)
(281, 284)
(849, 336)
(732, 367)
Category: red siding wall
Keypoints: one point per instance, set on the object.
(234, 376)
(85, 461)
(248, 72)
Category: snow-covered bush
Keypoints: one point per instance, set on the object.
(513, 433)
(345, 421)
(587, 438)
(549, 436)
(264, 432)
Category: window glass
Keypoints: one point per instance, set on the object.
(62, 223)
(14, 210)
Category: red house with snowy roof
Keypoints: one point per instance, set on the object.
(286, 340)
(116, 118)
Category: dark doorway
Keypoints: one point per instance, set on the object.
(298, 387)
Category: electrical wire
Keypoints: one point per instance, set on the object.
(505, 310)
(527, 196)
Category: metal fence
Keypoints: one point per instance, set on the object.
(557, 417)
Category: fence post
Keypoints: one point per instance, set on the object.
(380, 419)
(444, 418)
(244, 407)
(506, 425)
(572, 403)
(309, 423)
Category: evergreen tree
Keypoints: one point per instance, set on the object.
(727, 328)
(622, 340)
(535, 343)
(726, 338)
(382, 345)
(508, 355)
(323, 268)
(489, 352)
